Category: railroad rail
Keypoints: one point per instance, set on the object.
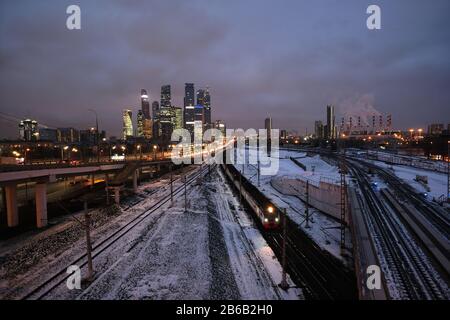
(47, 286)
(320, 275)
(410, 268)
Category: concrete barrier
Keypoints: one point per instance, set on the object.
(323, 196)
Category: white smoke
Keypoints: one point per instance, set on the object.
(358, 106)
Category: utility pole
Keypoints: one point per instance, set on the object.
(284, 285)
(171, 184)
(307, 204)
(107, 188)
(259, 173)
(240, 189)
(87, 222)
(97, 136)
(343, 199)
(185, 194)
(448, 171)
(257, 156)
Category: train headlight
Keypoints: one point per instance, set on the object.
(266, 220)
(277, 219)
(270, 209)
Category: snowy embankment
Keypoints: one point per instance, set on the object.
(201, 253)
(437, 182)
(323, 229)
(210, 251)
(28, 259)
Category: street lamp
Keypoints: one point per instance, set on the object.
(27, 150)
(62, 152)
(154, 152)
(124, 152)
(140, 151)
(96, 134)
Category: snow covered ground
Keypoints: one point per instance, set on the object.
(212, 251)
(323, 229)
(437, 182)
(26, 260)
(203, 253)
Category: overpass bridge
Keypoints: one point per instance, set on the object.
(115, 175)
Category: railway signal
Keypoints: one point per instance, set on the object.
(284, 285)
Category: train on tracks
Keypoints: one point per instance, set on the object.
(268, 214)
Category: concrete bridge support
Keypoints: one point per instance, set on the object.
(107, 188)
(12, 213)
(117, 195)
(41, 204)
(135, 180)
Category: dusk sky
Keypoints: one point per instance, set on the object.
(284, 59)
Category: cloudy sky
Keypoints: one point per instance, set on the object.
(281, 58)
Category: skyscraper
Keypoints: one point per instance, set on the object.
(140, 123)
(165, 113)
(331, 127)
(189, 94)
(166, 96)
(145, 104)
(207, 107)
(155, 109)
(204, 100)
(146, 119)
(127, 124)
(199, 120)
(147, 128)
(200, 97)
(189, 106)
(268, 126)
(155, 113)
(177, 121)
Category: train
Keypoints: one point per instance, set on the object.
(266, 212)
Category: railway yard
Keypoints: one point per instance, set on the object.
(216, 232)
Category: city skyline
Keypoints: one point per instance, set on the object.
(252, 152)
(401, 69)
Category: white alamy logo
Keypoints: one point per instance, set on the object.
(240, 147)
(73, 21)
(74, 280)
(374, 20)
(374, 277)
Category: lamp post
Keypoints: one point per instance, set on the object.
(26, 158)
(96, 134)
(124, 152)
(140, 151)
(154, 152)
(62, 152)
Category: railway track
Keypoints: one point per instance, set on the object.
(317, 273)
(410, 268)
(439, 219)
(320, 275)
(50, 284)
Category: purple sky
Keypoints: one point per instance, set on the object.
(279, 58)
